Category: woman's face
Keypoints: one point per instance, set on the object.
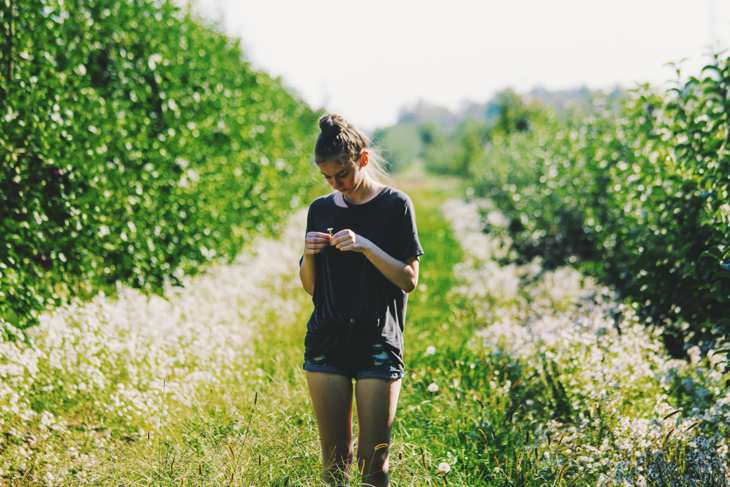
(343, 178)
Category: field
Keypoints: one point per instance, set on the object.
(569, 328)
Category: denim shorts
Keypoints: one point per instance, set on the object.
(376, 361)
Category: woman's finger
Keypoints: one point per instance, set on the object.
(317, 235)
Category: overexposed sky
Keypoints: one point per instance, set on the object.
(366, 60)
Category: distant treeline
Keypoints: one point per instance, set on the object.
(136, 144)
(424, 130)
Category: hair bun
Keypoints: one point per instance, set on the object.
(332, 124)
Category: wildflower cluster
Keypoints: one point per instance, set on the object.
(621, 408)
(96, 370)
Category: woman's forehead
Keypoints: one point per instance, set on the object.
(331, 168)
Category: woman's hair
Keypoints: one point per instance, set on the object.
(339, 141)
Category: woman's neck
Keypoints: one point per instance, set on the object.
(364, 192)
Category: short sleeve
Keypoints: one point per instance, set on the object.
(408, 244)
(310, 219)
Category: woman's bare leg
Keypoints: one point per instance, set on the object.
(377, 400)
(331, 396)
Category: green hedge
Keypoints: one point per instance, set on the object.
(136, 144)
(640, 198)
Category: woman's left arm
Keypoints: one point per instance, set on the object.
(402, 274)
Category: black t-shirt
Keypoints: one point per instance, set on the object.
(348, 288)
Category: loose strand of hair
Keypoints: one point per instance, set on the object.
(376, 168)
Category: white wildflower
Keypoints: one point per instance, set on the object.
(154, 60)
(694, 354)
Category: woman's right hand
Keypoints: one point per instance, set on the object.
(314, 242)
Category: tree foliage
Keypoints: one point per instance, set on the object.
(136, 145)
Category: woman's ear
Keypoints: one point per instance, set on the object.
(363, 158)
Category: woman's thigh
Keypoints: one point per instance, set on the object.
(331, 396)
(377, 401)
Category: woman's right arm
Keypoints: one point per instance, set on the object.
(314, 242)
(306, 273)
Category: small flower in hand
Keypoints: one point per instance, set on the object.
(347, 240)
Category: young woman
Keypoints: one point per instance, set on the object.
(360, 260)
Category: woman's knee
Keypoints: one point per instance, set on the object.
(337, 454)
(374, 463)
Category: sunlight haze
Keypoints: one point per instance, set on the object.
(368, 62)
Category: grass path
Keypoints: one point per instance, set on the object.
(260, 429)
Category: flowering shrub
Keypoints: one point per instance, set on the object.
(622, 409)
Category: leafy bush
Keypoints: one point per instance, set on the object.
(641, 198)
(136, 144)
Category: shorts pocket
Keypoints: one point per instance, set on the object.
(317, 343)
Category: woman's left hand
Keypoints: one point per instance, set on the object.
(347, 240)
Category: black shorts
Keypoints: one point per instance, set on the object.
(352, 354)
